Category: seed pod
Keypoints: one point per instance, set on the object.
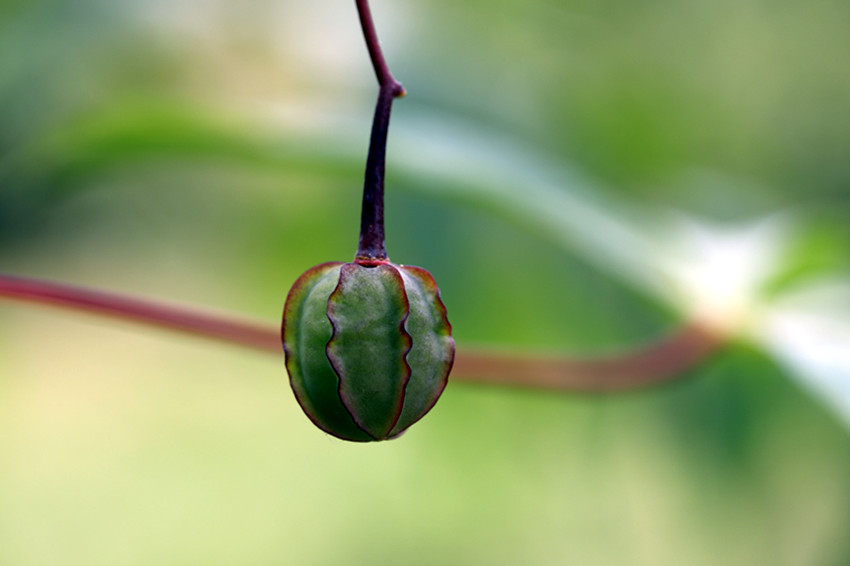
(368, 347)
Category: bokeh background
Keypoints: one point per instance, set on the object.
(580, 177)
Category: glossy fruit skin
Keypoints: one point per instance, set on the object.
(368, 347)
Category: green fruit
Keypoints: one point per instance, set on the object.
(368, 347)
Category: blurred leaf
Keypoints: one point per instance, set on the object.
(821, 247)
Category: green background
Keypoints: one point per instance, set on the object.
(208, 152)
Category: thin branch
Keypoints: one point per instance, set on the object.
(225, 328)
(650, 364)
(382, 70)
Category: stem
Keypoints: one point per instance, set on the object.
(372, 246)
(372, 249)
(382, 70)
(650, 364)
(220, 327)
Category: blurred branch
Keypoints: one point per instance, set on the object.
(220, 327)
(649, 364)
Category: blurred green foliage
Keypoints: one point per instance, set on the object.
(210, 152)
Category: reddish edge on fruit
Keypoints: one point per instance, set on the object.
(301, 285)
(348, 401)
(425, 277)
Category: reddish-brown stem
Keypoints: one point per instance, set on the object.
(382, 70)
(650, 364)
(371, 247)
(221, 327)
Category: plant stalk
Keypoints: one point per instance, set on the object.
(372, 249)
